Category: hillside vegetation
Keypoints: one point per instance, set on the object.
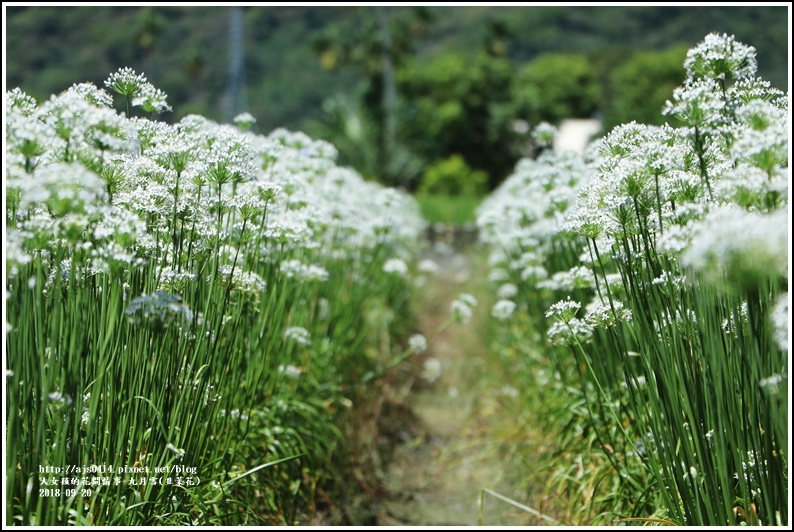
(469, 82)
(185, 49)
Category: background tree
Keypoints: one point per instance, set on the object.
(184, 51)
(556, 86)
(150, 25)
(454, 104)
(640, 86)
(380, 43)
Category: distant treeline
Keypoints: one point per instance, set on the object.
(465, 77)
(185, 50)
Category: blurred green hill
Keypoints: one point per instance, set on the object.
(464, 73)
(185, 50)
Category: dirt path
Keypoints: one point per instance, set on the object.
(452, 452)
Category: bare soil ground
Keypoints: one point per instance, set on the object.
(449, 451)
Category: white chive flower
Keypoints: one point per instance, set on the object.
(503, 309)
(244, 121)
(299, 335)
(780, 322)
(507, 291)
(126, 82)
(418, 343)
(564, 311)
(396, 266)
(431, 370)
(427, 266)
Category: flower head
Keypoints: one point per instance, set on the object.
(745, 244)
(396, 266)
(126, 82)
(720, 57)
(20, 101)
(244, 121)
(158, 310)
(503, 309)
(418, 343)
(544, 134)
(299, 335)
(431, 369)
(564, 311)
(780, 322)
(151, 99)
(462, 308)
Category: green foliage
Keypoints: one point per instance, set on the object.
(452, 176)
(357, 41)
(296, 57)
(557, 86)
(641, 86)
(454, 104)
(379, 41)
(347, 127)
(451, 210)
(183, 50)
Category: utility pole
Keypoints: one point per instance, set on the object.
(236, 96)
(389, 88)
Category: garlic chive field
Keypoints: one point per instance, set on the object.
(653, 272)
(191, 310)
(200, 319)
